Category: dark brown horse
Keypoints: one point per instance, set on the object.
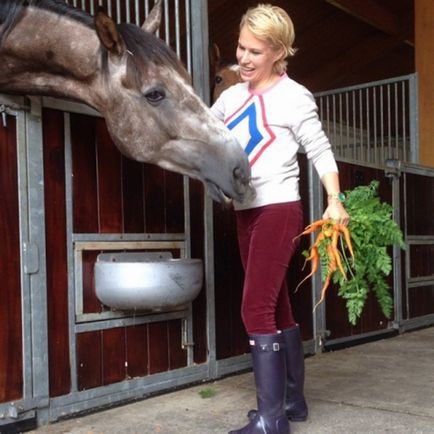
(131, 77)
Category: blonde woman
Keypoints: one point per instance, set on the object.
(272, 116)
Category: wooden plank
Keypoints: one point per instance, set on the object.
(84, 181)
(424, 17)
(137, 351)
(158, 347)
(57, 272)
(155, 189)
(132, 195)
(11, 364)
(371, 12)
(113, 355)
(177, 355)
(109, 181)
(89, 360)
(174, 202)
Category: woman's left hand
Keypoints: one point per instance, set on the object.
(336, 211)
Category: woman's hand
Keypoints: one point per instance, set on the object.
(336, 211)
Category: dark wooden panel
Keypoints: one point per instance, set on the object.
(421, 301)
(158, 347)
(89, 360)
(420, 204)
(132, 194)
(177, 355)
(231, 337)
(174, 202)
(109, 182)
(137, 351)
(301, 301)
(57, 273)
(422, 260)
(11, 365)
(84, 181)
(113, 355)
(154, 187)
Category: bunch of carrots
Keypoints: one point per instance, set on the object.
(329, 251)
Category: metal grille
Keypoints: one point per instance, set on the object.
(174, 29)
(372, 122)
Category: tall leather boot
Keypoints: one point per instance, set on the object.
(295, 404)
(269, 370)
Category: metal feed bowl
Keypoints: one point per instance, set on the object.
(150, 281)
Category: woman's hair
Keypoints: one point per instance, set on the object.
(272, 24)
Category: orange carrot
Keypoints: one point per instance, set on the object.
(346, 233)
(314, 258)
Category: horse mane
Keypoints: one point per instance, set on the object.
(11, 11)
(146, 47)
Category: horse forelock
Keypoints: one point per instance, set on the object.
(147, 50)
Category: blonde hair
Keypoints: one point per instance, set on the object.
(273, 25)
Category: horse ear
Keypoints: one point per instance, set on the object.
(153, 20)
(214, 56)
(107, 32)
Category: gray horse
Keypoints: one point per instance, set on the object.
(131, 77)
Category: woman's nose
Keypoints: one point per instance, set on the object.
(245, 57)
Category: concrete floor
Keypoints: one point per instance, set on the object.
(380, 387)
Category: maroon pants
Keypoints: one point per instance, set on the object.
(266, 241)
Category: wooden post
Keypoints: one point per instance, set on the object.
(424, 45)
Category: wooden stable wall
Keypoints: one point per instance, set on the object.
(11, 360)
(111, 195)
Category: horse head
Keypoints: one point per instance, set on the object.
(154, 115)
(225, 74)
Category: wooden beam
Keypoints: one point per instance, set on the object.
(376, 15)
(366, 51)
(425, 72)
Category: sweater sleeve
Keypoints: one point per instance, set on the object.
(308, 132)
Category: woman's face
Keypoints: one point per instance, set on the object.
(256, 59)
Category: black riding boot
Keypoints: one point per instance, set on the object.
(269, 371)
(295, 404)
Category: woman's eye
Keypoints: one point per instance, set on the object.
(155, 96)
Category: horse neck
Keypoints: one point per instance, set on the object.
(48, 54)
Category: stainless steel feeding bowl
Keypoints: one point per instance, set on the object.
(146, 280)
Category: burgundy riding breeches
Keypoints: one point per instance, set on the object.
(266, 241)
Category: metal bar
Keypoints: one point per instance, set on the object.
(414, 119)
(130, 237)
(96, 324)
(37, 302)
(365, 85)
(75, 301)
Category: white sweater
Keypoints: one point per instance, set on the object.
(271, 126)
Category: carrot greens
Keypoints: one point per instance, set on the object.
(356, 258)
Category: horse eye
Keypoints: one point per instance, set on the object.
(155, 96)
(218, 79)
